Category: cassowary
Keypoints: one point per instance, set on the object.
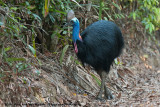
(98, 45)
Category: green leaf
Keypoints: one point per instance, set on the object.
(46, 7)
(52, 18)
(14, 8)
(15, 59)
(63, 53)
(24, 81)
(116, 61)
(32, 49)
(36, 16)
(116, 5)
(37, 71)
(22, 26)
(77, 62)
(21, 66)
(27, 3)
(64, 32)
(97, 80)
(134, 15)
(7, 49)
(147, 26)
(105, 18)
(60, 12)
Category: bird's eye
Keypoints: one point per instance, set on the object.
(72, 22)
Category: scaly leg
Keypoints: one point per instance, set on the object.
(107, 93)
(104, 88)
(102, 75)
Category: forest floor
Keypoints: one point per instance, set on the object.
(134, 82)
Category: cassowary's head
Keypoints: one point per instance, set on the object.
(71, 19)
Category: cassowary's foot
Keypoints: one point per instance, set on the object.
(108, 94)
(102, 75)
(99, 97)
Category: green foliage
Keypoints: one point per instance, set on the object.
(97, 80)
(15, 59)
(21, 66)
(149, 13)
(33, 43)
(100, 9)
(106, 12)
(117, 62)
(32, 50)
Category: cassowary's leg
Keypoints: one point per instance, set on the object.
(108, 95)
(102, 75)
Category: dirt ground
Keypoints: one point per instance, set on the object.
(135, 81)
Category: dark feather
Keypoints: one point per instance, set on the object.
(102, 43)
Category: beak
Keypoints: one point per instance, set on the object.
(66, 24)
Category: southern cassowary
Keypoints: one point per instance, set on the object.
(98, 45)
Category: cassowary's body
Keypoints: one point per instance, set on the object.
(98, 45)
(101, 43)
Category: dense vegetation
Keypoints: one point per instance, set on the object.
(45, 18)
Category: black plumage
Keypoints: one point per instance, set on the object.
(101, 43)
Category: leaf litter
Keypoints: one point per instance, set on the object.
(134, 82)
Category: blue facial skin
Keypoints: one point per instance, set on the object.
(76, 28)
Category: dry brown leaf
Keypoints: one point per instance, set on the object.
(128, 71)
(120, 72)
(60, 100)
(119, 95)
(132, 35)
(39, 97)
(64, 88)
(148, 66)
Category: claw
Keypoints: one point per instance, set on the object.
(99, 98)
(108, 94)
(109, 97)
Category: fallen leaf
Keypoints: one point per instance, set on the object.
(74, 94)
(119, 95)
(60, 100)
(148, 66)
(84, 94)
(40, 98)
(128, 71)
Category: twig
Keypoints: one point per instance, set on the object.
(78, 4)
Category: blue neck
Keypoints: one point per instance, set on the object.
(75, 34)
